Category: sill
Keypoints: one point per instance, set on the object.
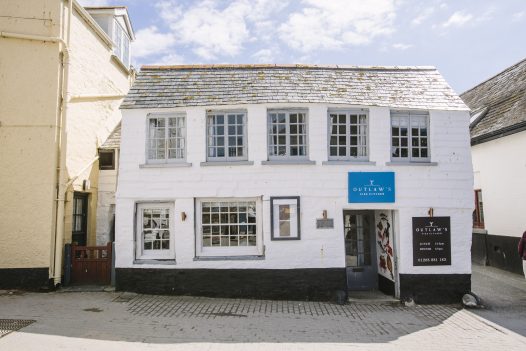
(479, 231)
(348, 162)
(288, 162)
(152, 261)
(121, 65)
(404, 163)
(165, 165)
(227, 163)
(229, 258)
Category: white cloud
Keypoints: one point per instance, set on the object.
(519, 15)
(401, 46)
(335, 24)
(458, 19)
(212, 30)
(150, 42)
(264, 56)
(169, 59)
(422, 16)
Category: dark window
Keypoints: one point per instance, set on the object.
(478, 214)
(106, 159)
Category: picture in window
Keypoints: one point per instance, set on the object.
(285, 217)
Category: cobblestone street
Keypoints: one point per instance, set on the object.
(123, 321)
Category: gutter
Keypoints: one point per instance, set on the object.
(516, 128)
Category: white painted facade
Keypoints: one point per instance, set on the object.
(445, 186)
(106, 202)
(499, 167)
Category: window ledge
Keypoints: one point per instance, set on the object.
(480, 231)
(121, 65)
(288, 162)
(229, 258)
(227, 163)
(348, 162)
(152, 261)
(165, 165)
(411, 164)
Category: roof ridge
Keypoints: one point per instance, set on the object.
(509, 68)
(290, 66)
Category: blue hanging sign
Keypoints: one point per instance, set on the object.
(367, 187)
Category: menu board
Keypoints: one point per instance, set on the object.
(431, 241)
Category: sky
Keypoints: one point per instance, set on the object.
(467, 40)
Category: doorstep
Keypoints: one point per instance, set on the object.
(370, 297)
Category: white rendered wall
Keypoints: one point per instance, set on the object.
(446, 187)
(500, 172)
(106, 202)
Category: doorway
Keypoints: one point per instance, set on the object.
(79, 232)
(360, 250)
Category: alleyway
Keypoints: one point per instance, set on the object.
(100, 320)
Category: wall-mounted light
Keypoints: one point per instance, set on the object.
(183, 216)
(324, 214)
(430, 212)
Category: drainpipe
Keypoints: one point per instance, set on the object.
(61, 155)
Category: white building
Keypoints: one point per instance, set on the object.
(295, 182)
(498, 139)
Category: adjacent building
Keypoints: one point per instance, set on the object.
(294, 182)
(65, 70)
(498, 145)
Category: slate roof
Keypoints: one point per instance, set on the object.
(501, 102)
(213, 85)
(114, 140)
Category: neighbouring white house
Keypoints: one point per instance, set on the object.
(294, 182)
(498, 147)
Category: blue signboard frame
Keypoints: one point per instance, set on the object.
(371, 187)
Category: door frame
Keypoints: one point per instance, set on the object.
(85, 199)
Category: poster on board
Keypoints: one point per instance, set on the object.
(385, 244)
(431, 241)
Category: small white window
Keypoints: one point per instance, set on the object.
(410, 136)
(285, 218)
(155, 231)
(229, 227)
(287, 136)
(348, 135)
(227, 136)
(166, 139)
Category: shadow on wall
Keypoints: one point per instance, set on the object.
(497, 251)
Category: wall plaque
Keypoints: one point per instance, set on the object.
(431, 241)
(325, 223)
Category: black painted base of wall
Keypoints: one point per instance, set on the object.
(497, 251)
(321, 284)
(434, 288)
(386, 286)
(24, 278)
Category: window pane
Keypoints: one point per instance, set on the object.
(233, 218)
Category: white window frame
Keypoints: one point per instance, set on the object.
(294, 217)
(223, 251)
(226, 135)
(165, 116)
(348, 113)
(410, 115)
(140, 252)
(305, 144)
(121, 42)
